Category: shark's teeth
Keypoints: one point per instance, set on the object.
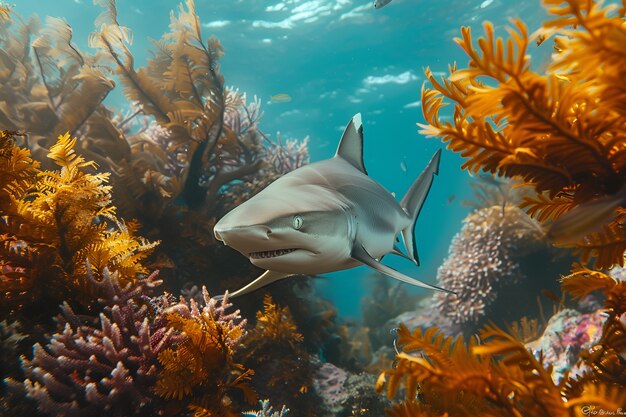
(270, 254)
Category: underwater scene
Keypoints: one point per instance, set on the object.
(313, 208)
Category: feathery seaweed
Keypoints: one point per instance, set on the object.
(497, 377)
(200, 371)
(58, 227)
(561, 132)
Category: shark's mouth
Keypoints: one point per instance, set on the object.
(271, 253)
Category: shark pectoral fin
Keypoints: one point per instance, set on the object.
(360, 254)
(265, 279)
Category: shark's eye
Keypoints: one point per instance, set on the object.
(297, 222)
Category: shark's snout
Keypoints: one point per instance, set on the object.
(242, 238)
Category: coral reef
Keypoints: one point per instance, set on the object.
(10, 339)
(567, 334)
(274, 349)
(346, 394)
(59, 227)
(104, 364)
(561, 132)
(267, 411)
(200, 371)
(486, 267)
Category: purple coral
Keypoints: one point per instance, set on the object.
(482, 260)
(108, 365)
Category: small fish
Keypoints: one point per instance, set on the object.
(551, 295)
(403, 166)
(280, 98)
(381, 3)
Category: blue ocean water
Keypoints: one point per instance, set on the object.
(335, 58)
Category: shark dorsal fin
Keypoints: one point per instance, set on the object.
(351, 144)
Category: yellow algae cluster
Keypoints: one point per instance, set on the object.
(58, 226)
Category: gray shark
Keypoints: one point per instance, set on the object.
(381, 3)
(325, 217)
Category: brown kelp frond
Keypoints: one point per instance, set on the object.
(5, 12)
(500, 376)
(544, 208)
(602, 38)
(113, 40)
(598, 395)
(606, 359)
(122, 250)
(276, 324)
(59, 226)
(525, 330)
(436, 354)
(52, 86)
(18, 171)
(411, 409)
(274, 349)
(495, 377)
(561, 132)
(200, 370)
(582, 281)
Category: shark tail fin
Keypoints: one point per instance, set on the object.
(414, 200)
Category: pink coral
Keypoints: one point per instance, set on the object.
(568, 333)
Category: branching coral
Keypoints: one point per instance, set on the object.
(273, 348)
(10, 339)
(104, 365)
(561, 132)
(267, 411)
(200, 371)
(498, 377)
(58, 227)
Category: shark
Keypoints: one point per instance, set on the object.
(327, 216)
(381, 3)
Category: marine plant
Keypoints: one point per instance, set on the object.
(58, 227)
(606, 359)
(274, 349)
(200, 372)
(172, 158)
(561, 131)
(497, 377)
(498, 374)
